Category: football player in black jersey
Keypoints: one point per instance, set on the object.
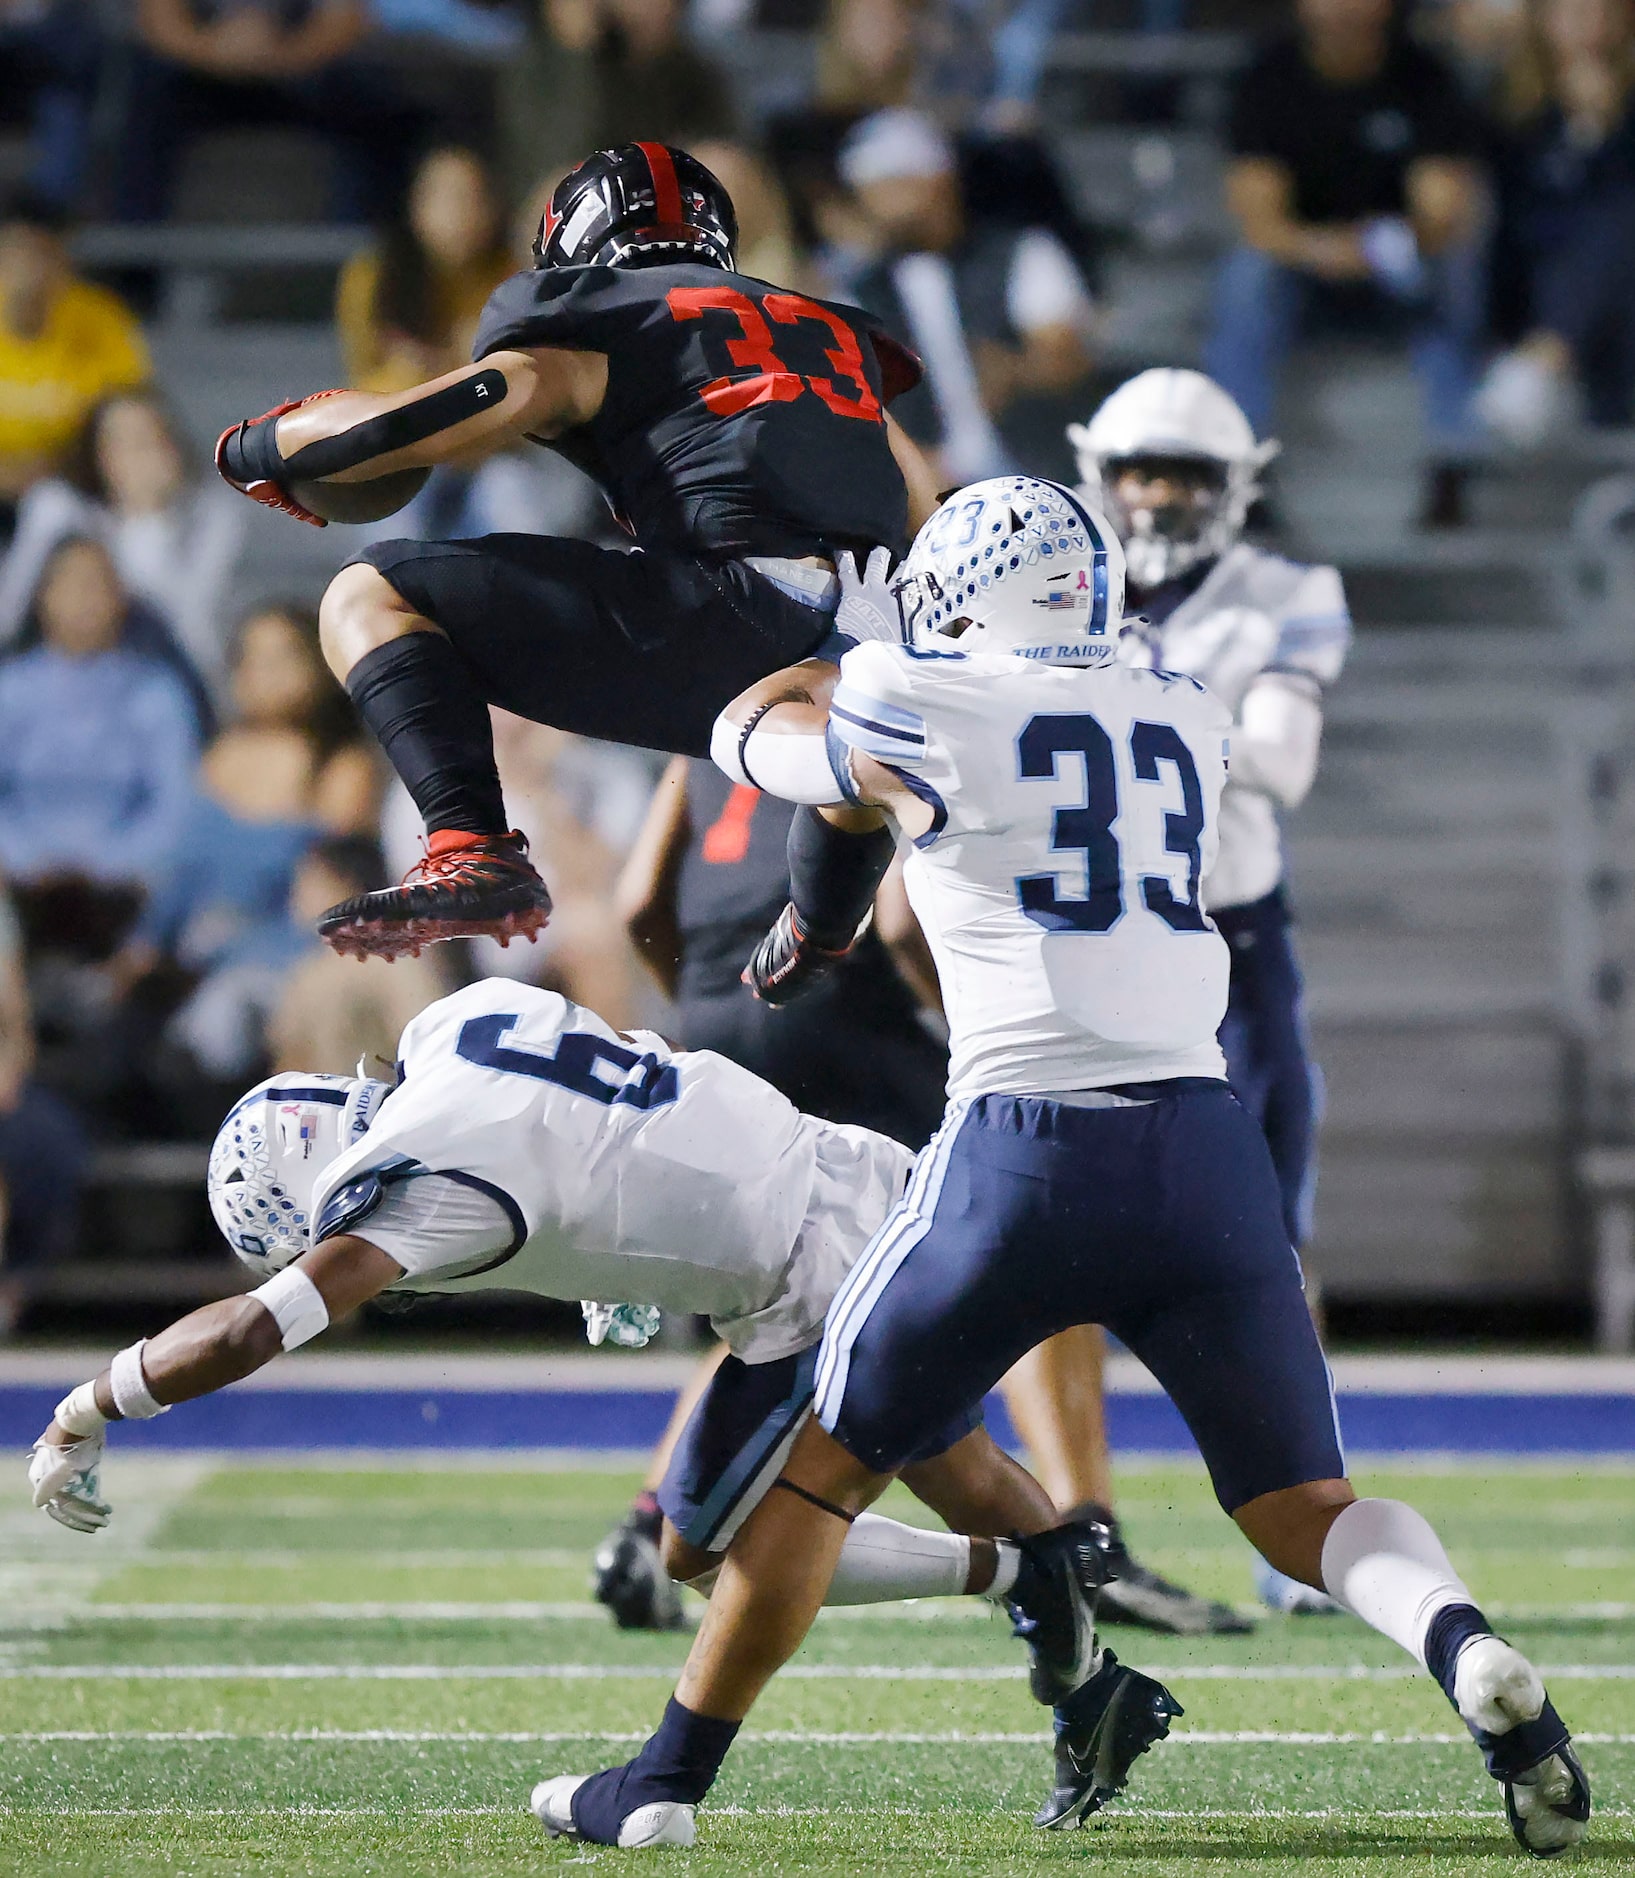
(738, 431)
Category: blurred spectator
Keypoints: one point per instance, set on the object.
(484, 28)
(50, 57)
(971, 62)
(1567, 222)
(332, 1012)
(868, 55)
(142, 629)
(406, 309)
(63, 345)
(996, 310)
(220, 64)
(211, 953)
(766, 236)
(1354, 184)
(43, 1150)
(97, 741)
(175, 534)
(287, 768)
(596, 73)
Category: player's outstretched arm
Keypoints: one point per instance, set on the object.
(199, 1353)
(289, 456)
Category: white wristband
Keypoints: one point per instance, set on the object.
(297, 1306)
(78, 1413)
(132, 1396)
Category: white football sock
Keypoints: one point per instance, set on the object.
(1383, 1562)
(1007, 1563)
(883, 1561)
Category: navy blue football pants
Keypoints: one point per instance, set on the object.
(1268, 1053)
(1159, 1218)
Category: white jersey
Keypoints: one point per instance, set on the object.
(1254, 613)
(529, 1147)
(1074, 814)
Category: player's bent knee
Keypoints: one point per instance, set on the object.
(361, 610)
(1288, 1527)
(685, 1563)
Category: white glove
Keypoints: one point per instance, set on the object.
(65, 1483)
(625, 1326)
(868, 607)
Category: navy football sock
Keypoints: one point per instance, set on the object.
(1451, 1629)
(679, 1762)
(1518, 1748)
(420, 699)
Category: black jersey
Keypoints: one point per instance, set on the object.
(739, 418)
(734, 879)
(855, 1048)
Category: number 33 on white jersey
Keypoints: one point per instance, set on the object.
(1074, 814)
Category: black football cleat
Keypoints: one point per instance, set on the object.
(1101, 1731)
(1139, 1596)
(464, 887)
(1052, 1605)
(628, 1576)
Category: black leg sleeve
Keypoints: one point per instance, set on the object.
(420, 699)
(833, 876)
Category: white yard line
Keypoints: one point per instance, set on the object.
(423, 1611)
(525, 1610)
(795, 1672)
(1134, 1815)
(956, 1737)
(48, 1573)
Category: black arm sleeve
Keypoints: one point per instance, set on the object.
(834, 875)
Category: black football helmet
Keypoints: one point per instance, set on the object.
(638, 206)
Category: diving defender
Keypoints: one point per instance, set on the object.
(526, 1146)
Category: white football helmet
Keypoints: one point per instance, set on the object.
(1172, 414)
(1015, 564)
(268, 1154)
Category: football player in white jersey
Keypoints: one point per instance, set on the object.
(1175, 466)
(1093, 1166)
(527, 1146)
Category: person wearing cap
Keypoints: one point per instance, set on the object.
(997, 311)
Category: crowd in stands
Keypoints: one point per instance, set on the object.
(181, 783)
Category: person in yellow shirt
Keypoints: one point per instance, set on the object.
(64, 344)
(406, 309)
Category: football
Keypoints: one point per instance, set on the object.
(370, 501)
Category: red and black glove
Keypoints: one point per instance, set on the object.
(789, 962)
(248, 458)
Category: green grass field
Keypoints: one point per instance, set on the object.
(340, 1670)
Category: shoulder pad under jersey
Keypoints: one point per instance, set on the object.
(553, 306)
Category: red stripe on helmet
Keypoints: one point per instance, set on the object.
(666, 189)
